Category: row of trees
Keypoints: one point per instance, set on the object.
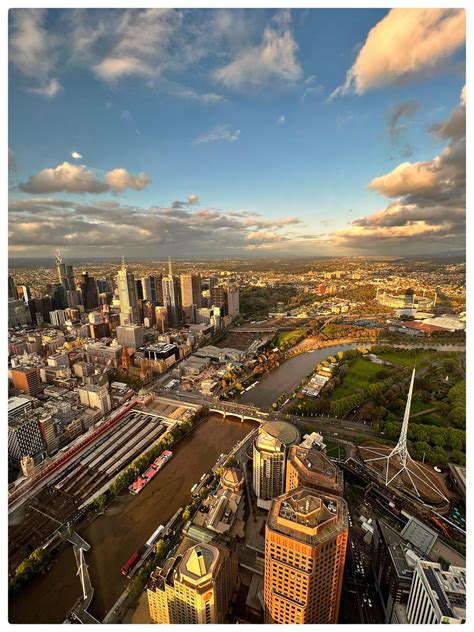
(32, 565)
(451, 438)
(340, 407)
(334, 331)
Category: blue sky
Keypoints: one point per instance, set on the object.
(274, 122)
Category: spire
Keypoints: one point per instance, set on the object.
(170, 267)
(401, 447)
(124, 267)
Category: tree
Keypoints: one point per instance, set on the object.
(160, 549)
(100, 501)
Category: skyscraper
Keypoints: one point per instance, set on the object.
(90, 295)
(190, 293)
(12, 293)
(193, 587)
(233, 304)
(305, 548)
(129, 312)
(152, 290)
(269, 458)
(172, 298)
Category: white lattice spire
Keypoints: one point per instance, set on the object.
(401, 447)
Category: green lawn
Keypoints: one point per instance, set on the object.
(361, 374)
(404, 358)
(285, 338)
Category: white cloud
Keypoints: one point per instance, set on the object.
(220, 132)
(119, 180)
(50, 90)
(281, 120)
(76, 155)
(80, 179)
(193, 198)
(428, 207)
(114, 68)
(33, 50)
(47, 222)
(405, 43)
(272, 60)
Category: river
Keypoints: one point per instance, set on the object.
(124, 527)
(284, 378)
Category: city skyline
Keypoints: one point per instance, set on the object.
(236, 133)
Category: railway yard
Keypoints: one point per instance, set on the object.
(48, 511)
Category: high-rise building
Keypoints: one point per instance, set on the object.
(129, 312)
(161, 317)
(26, 379)
(436, 595)
(57, 317)
(312, 468)
(65, 274)
(12, 293)
(305, 548)
(233, 303)
(172, 298)
(24, 293)
(58, 295)
(394, 563)
(131, 336)
(151, 289)
(218, 296)
(90, 295)
(194, 587)
(190, 294)
(139, 290)
(18, 313)
(269, 458)
(149, 315)
(24, 437)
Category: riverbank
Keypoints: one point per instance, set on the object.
(124, 527)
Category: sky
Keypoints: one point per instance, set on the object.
(236, 133)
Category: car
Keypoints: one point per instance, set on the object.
(437, 469)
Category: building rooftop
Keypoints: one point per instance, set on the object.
(308, 516)
(420, 535)
(315, 464)
(286, 433)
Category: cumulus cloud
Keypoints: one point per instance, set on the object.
(119, 180)
(110, 225)
(404, 44)
(274, 59)
(428, 199)
(80, 179)
(76, 155)
(193, 198)
(220, 132)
